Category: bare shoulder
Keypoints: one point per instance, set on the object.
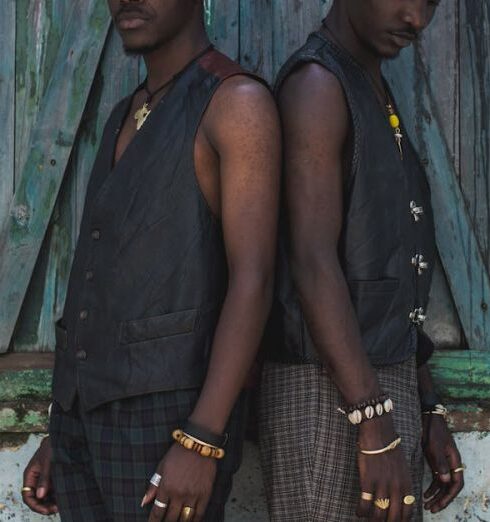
(313, 96)
(241, 102)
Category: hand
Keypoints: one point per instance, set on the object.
(187, 480)
(443, 456)
(37, 476)
(385, 476)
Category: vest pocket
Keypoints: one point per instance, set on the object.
(159, 326)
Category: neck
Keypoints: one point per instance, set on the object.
(339, 25)
(172, 56)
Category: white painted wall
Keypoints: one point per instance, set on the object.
(247, 502)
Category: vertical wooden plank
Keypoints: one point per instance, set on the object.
(49, 151)
(441, 62)
(475, 116)
(464, 265)
(7, 106)
(256, 43)
(116, 77)
(293, 20)
(223, 22)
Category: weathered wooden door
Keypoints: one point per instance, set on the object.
(63, 69)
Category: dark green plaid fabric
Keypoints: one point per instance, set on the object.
(103, 459)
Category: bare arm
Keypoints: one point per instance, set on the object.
(243, 127)
(316, 124)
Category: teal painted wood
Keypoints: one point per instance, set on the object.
(475, 116)
(41, 25)
(293, 20)
(442, 66)
(222, 18)
(50, 147)
(7, 106)
(256, 31)
(456, 239)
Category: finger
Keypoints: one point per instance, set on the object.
(432, 489)
(150, 495)
(44, 482)
(407, 509)
(174, 510)
(435, 499)
(395, 509)
(159, 509)
(366, 499)
(450, 494)
(442, 468)
(201, 507)
(377, 512)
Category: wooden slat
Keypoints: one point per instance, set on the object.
(256, 37)
(458, 246)
(293, 20)
(222, 17)
(475, 116)
(7, 106)
(50, 147)
(462, 374)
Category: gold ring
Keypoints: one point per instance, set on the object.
(408, 500)
(367, 496)
(186, 513)
(459, 470)
(382, 503)
(27, 489)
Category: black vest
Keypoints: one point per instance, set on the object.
(384, 229)
(149, 275)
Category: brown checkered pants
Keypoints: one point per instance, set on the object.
(308, 449)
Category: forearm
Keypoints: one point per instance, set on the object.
(333, 325)
(235, 347)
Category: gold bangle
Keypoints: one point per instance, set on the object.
(391, 446)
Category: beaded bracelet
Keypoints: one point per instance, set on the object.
(367, 410)
(198, 446)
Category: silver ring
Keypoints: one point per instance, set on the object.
(156, 479)
(159, 504)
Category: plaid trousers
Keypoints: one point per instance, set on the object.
(103, 459)
(308, 449)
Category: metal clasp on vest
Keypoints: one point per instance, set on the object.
(416, 211)
(418, 316)
(419, 263)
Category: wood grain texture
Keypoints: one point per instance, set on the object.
(293, 20)
(223, 22)
(256, 30)
(51, 142)
(475, 116)
(7, 105)
(458, 246)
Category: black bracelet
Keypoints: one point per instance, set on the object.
(429, 400)
(218, 441)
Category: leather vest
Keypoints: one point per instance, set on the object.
(387, 227)
(149, 274)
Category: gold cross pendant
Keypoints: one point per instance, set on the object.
(140, 115)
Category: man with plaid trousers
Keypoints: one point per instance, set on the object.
(170, 286)
(355, 265)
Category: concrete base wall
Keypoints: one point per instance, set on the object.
(247, 502)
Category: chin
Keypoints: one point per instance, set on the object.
(139, 48)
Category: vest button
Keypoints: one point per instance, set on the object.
(96, 234)
(81, 355)
(83, 315)
(89, 275)
(419, 263)
(417, 316)
(416, 211)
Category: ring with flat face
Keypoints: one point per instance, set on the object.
(186, 514)
(408, 500)
(159, 504)
(156, 479)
